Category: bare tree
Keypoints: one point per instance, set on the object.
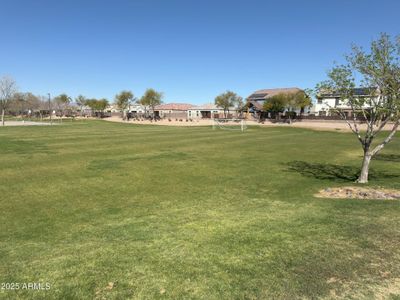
(380, 73)
(32, 102)
(43, 106)
(25, 104)
(17, 103)
(7, 89)
(62, 102)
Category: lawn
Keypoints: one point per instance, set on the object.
(193, 213)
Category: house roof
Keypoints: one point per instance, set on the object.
(209, 106)
(173, 106)
(257, 104)
(267, 93)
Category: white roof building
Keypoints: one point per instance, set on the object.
(326, 102)
(209, 111)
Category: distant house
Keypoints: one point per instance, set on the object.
(138, 110)
(86, 111)
(210, 111)
(255, 102)
(134, 109)
(172, 110)
(112, 108)
(329, 101)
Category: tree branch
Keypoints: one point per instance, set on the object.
(354, 129)
(387, 140)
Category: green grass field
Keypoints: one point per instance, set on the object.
(192, 213)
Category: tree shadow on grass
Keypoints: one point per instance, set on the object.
(388, 157)
(333, 172)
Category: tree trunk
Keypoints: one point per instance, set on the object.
(2, 116)
(363, 178)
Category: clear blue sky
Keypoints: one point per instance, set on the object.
(190, 50)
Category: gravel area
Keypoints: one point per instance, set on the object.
(24, 123)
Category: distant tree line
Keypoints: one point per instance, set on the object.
(14, 102)
(18, 103)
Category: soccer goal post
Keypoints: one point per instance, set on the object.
(229, 124)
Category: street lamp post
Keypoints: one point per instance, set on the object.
(70, 110)
(51, 120)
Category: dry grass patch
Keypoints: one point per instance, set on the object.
(353, 192)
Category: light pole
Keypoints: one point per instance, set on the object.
(70, 110)
(51, 121)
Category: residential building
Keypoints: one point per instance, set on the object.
(138, 110)
(329, 101)
(210, 111)
(133, 109)
(172, 110)
(255, 102)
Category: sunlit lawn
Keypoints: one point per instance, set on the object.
(192, 213)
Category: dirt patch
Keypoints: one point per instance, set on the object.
(352, 192)
(327, 125)
(24, 123)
